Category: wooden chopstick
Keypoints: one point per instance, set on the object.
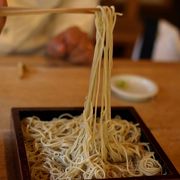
(11, 11)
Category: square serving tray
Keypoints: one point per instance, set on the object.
(128, 113)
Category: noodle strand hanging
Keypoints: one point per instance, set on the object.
(88, 146)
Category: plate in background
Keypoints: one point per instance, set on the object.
(133, 87)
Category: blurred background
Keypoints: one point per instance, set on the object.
(136, 33)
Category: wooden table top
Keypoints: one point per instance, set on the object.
(52, 84)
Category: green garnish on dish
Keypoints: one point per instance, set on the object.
(121, 84)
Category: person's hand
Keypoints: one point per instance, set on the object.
(2, 19)
(73, 45)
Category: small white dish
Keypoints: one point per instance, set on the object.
(133, 87)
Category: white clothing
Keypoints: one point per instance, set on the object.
(166, 46)
(27, 33)
(167, 43)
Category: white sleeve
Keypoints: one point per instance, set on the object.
(63, 21)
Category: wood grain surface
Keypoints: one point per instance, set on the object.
(49, 83)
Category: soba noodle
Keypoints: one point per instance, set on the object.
(88, 146)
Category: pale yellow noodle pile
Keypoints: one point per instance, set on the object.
(87, 146)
